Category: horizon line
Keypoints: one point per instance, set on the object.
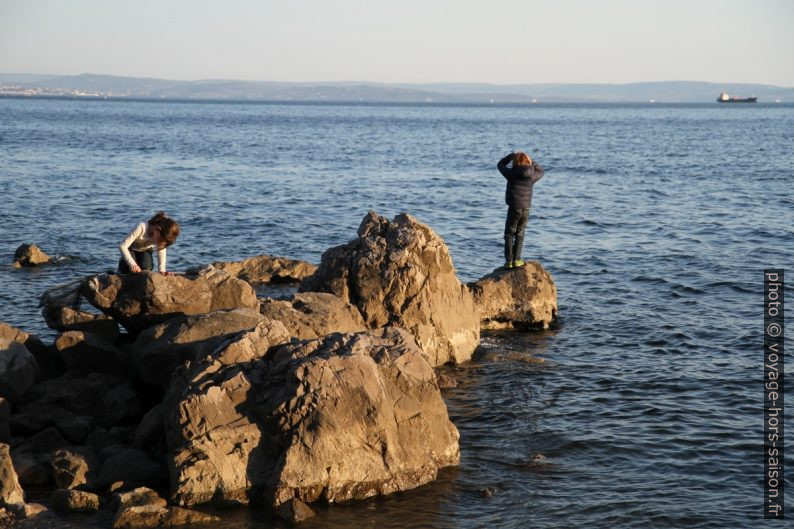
(394, 82)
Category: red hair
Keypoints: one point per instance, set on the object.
(521, 159)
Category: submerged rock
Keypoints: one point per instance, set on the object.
(267, 269)
(294, 511)
(314, 314)
(159, 349)
(27, 255)
(138, 301)
(400, 273)
(516, 298)
(346, 416)
(140, 516)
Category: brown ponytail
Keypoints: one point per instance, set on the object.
(169, 228)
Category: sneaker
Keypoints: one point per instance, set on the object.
(517, 264)
(509, 264)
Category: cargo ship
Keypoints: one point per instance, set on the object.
(725, 98)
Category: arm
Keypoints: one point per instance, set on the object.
(124, 247)
(502, 165)
(538, 173)
(161, 259)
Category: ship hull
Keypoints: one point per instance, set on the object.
(738, 100)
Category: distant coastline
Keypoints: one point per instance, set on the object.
(91, 86)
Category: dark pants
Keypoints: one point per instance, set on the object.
(144, 260)
(514, 232)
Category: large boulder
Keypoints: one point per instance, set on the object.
(158, 350)
(266, 269)
(138, 301)
(517, 298)
(314, 314)
(11, 494)
(342, 417)
(18, 369)
(400, 273)
(88, 353)
(27, 255)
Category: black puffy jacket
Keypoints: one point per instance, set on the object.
(519, 182)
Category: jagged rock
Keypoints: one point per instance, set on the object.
(153, 516)
(159, 349)
(129, 464)
(74, 500)
(65, 401)
(400, 273)
(314, 314)
(267, 269)
(27, 255)
(33, 457)
(341, 417)
(294, 511)
(75, 467)
(88, 353)
(138, 497)
(18, 369)
(11, 495)
(138, 301)
(5, 420)
(66, 318)
(520, 298)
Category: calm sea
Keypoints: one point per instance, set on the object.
(656, 222)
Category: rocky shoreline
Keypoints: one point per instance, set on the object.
(172, 392)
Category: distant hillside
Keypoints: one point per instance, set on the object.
(114, 86)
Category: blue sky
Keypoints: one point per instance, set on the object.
(496, 41)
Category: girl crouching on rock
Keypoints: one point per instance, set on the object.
(159, 233)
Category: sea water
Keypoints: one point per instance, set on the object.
(655, 221)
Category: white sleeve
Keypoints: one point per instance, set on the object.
(161, 260)
(124, 247)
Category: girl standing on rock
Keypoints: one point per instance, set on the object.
(159, 233)
(521, 176)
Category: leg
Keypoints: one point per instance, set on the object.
(511, 224)
(144, 260)
(519, 241)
